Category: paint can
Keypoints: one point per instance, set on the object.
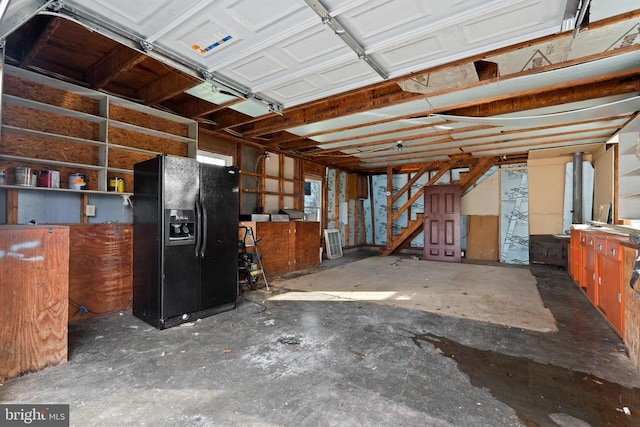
(49, 178)
(77, 181)
(23, 176)
(116, 184)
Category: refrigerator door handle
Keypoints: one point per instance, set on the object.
(203, 246)
(198, 226)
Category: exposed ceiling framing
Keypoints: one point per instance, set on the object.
(345, 82)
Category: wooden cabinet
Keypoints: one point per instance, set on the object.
(307, 244)
(610, 282)
(600, 272)
(34, 261)
(100, 269)
(548, 249)
(286, 246)
(589, 262)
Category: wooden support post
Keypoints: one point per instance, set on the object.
(389, 207)
(12, 206)
(83, 209)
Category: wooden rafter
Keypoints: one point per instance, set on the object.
(118, 61)
(165, 87)
(378, 96)
(40, 42)
(197, 107)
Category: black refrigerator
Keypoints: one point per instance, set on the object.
(185, 240)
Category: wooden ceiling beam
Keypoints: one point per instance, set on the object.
(629, 82)
(40, 42)
(121, 59)
(165, 87)
(334, 107)
(617, 86)
(197, 107)
(376, 96)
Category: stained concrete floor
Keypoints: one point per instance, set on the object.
(340, 363)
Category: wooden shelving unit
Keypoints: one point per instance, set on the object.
(49, 124)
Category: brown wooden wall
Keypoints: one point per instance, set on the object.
(632, 306)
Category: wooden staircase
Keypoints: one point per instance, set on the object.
(477, 168)
(413, 228)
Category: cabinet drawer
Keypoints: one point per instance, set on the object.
(599, 244)
(613, 248)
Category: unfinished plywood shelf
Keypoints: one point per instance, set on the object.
(77, 130)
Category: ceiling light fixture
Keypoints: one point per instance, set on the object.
(399, 147)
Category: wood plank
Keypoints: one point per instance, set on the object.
(118, 61)
(197, 107)
(129, 138)
(33, 91)
(482, 237)
(165, 87)
(12, 206)
(100, 269)
(146, 120)
(307, 244)
(43, 121)
(41, 42)
(34, 298)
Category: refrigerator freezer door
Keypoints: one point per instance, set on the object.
(219, 264)
(180, 264)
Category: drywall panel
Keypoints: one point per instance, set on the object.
(546, 194)
(484, 199)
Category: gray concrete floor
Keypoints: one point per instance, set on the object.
(328, 363)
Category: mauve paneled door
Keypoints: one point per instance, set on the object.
(442, 223)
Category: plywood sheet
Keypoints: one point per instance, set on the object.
(100, 269)
(33, 297)
(482, 237)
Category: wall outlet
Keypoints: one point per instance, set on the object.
(90, 210)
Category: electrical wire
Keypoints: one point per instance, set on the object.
(264, 306)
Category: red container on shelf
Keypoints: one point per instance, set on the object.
(49, 179)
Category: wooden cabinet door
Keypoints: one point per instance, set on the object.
(574, 256)
(589, 278)
(610, 286)
(307, 244)
(442, 223)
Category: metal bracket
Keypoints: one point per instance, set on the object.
(55, 6)
(339, 30)
(146, 46)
